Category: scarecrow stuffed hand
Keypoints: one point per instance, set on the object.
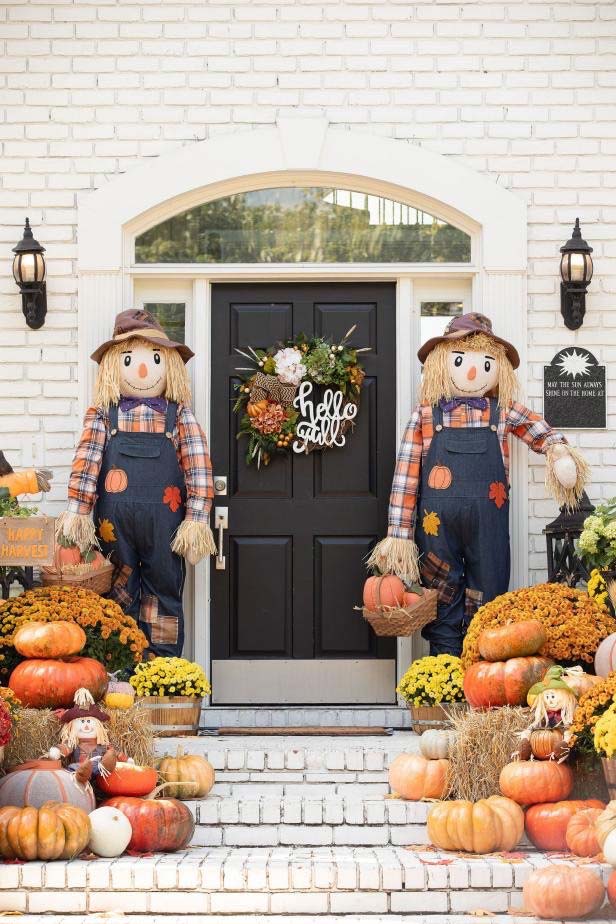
(566, 474)
(564, 466)
(77, 529)
(193, 541)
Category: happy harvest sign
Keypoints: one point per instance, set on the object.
(26, 541)
(574, 391)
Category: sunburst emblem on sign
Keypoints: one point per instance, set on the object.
(574, 363)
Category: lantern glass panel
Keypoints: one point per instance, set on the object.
(28, 268)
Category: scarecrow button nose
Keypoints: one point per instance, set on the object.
(143, 371)
(472, 373)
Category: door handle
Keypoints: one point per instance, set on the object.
(221, 522)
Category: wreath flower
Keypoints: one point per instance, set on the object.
(289, 366)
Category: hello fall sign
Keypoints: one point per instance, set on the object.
(321, 424)
(27, 541)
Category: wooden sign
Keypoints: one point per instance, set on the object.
(27, 541)
(574, 391)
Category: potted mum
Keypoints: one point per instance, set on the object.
(597, 546)
(604, 737)
(172, 690)
(430, 687)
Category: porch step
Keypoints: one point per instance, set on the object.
(103, 918)
(393, 716)
(383, 883)
(312, 820)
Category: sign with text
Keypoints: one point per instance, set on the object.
(574, 391)
(27, 541)
(321, 424)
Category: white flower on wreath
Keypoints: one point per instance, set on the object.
(289, 366)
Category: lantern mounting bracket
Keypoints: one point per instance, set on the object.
(34, 304)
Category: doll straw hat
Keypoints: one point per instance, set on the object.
(78, 712)
(138, 323)
(464, 326)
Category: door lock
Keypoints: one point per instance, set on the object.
(221, 522)
(220, 484)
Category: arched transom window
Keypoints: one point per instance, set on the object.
(303, 225)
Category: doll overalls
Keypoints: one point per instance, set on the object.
(141, 497)
(462, 526)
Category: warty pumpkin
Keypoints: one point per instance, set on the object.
(55, 831)
(581, 837)
(530, 781)
(562, 892)
(515, 640)
(503, 683)
(490, 824)
(47, 683)
(436, 743)
(413, 777)
(158, 824)
(60, 639)
(186, 776)
(546, 823)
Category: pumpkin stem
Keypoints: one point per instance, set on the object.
(155, 792)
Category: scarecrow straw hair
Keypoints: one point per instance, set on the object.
(107, 387)
(70, 738)
(484, 743)
(540, 710)
(436, 382)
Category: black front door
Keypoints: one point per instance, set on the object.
(284, 628)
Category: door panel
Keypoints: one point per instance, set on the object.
(300, 528)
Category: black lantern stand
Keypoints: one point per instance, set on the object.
(576, 272)
(29, 274)
(564, 563)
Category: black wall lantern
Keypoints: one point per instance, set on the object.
(576, 273)
(564, 563)
(29, 273)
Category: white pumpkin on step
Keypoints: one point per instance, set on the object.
(111, 831)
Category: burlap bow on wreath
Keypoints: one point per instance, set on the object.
(268, 386)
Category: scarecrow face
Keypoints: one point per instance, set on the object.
(143, 371)
(473, 373)
(555, 699)
(86, 728)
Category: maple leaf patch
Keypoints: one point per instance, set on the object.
(106, 530)
(431, 523)
(498, 493)
(172, 497)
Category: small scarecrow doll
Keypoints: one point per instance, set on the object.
(553, 708)
(84, 742)
(142, 469)
(449, 503)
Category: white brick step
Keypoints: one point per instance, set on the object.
(277, 881)
(214, 717)
(284, 919)
(265, 821)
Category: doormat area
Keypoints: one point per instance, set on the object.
(285, 730)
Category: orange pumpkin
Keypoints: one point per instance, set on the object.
(66, 554)
(547, 743)
(502, 683)
(530, 781)
(412, 776)
(116, 481)
(47, 683)
(410, 598)
(439, 478)
(128, 780)
(516, 640)
(546, 823)
(490, 824)
(158, 824)
(186, 776)
(254, 408)
(561, 892)
(581, 837)
(49, 639)
(55, 831)
(383, 590)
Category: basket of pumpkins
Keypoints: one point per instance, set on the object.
(393, 610)
(72, 567)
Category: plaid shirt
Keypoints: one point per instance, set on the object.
(190, 446)
(517, 419)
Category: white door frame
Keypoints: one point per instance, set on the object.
(303, 152)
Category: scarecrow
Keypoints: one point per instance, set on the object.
(84, 742)
(449, 503)
(553, 706)
(141, 481)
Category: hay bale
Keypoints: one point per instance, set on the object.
(36, 730)
(484, 744)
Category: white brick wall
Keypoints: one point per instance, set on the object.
(523, 92)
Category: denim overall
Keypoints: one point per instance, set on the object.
(142, 518)
(468, 559)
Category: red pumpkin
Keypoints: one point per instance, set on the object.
(561, 892)
(581, 836)
(128, 780)
(116, 481)
(546, 823)
(611, 889)
(158, 824)
(439, 478)
(45, 683)
(516, 640)
(383, 590)
(502, 683)
(59, 639)
(530, 781)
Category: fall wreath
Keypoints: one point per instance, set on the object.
(298, 395)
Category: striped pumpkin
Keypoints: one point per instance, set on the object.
(35, 786)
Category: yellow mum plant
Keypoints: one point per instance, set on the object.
(574, 623)
(591, 706)
(605, 733)
(170, 677)
(431, 680)
(597, 588)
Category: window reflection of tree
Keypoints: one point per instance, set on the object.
(246, 228)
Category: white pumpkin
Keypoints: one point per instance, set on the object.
(609, 848)
(111, 831)
(436, 743)
(605, 657)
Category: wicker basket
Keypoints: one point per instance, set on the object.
(99, 580)
(403, 621)
(425, 717)
(173, 716)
